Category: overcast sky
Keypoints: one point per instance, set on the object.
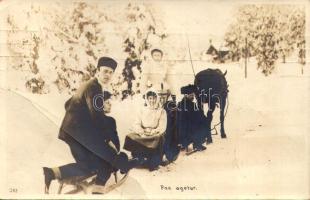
(197, 16)
(200, 20)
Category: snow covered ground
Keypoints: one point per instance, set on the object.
(266, 154)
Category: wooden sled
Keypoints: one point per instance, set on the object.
(83, 183)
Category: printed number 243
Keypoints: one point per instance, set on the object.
(13, 190)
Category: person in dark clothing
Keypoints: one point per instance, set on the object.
(111, 133)
(171, 149)
(90, 134)
(190, 121)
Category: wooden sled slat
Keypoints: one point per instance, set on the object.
(81, 184)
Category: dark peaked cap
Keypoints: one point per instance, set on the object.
(188, 89)
(107, 62)
(106, 95)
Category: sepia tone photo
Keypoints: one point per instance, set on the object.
(104, 99)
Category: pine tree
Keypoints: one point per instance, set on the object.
(24, 45)
(74, 36)
(141, 25)
(272, 31)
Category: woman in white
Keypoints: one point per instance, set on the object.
(147, 137)
(154, 73)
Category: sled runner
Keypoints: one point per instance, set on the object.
(192, 151)
(83, 184)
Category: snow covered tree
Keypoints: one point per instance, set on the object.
(140, 25)
(272, 31)
(266, 54)
(298, 29)
(24, 46)
(78, 32)
(72, 36)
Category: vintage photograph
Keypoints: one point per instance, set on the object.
(137, 99)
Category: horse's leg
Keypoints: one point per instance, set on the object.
(222, 116)
(211, 108)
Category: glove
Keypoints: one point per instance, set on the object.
(121, 162)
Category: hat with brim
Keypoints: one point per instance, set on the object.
(189, 89)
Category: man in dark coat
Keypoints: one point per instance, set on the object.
(90, 134)
(190, 121)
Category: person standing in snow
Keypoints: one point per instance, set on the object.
(154, 73)
(90, 134)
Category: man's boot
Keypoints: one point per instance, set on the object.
(98, 189)
(48, 177)
(122, 163)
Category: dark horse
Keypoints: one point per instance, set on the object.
(212, 88)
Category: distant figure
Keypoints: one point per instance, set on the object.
(147, 137)
(90, 134)
(191, 121)
(154, 73)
